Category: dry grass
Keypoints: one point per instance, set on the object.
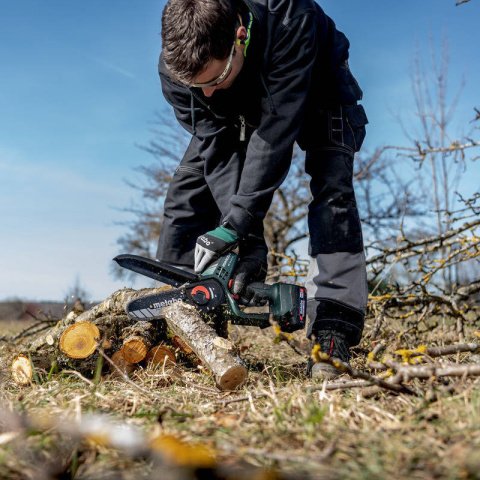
(295, 430)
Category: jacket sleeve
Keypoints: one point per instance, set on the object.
(270, 148)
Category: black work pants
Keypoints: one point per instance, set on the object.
(336, 283)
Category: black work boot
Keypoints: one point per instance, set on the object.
(334, 344)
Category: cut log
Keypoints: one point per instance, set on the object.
(177, 342)
(134, 349)
(80, 340)
(125, 366)
(22, 370)
(138, 339)
(185, 352)
(160, 355)
(216, 353)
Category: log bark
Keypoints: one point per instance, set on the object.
(216, 353)
(115, 303)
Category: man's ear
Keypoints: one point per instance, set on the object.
(241, 35)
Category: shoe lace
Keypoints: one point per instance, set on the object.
(334, 344)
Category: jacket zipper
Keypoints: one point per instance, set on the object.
(242, 128)
(243, 123)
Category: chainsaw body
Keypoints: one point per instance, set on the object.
(210, 291)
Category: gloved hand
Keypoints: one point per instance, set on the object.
(213, 245)
(250, 269)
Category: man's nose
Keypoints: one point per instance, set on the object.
(208, 91)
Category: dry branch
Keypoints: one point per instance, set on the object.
(434, 370)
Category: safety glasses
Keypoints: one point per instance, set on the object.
(221, 77)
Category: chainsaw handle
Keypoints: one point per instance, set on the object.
(260, 289)
(258, 319)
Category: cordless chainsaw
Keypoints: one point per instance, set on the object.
(210, 291)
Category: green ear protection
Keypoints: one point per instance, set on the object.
(246, 41)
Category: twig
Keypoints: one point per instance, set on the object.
(79, 375)
(246, 398)
(178, 375)
(342, 385)
(125, 376)
(449, 350)
(30, 330)
(433, 370)
(344, 367)
(407, 245)
(288, 338)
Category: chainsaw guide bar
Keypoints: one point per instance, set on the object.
(205, 296)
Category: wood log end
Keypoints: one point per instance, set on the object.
(232, 378)
(125, 366)
(22, 370)
(80, 340)
(160, 355)
(134, 350)
(177, 342)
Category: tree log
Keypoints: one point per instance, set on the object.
(46, 350)
(115, 304)
(22, 370)
(177, 342)
(80, 340)
(125, 366)
(158, 354)
(138, 339)
(216, 353)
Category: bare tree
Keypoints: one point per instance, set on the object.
(76, 296)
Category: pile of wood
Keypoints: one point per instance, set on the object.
(73, 343)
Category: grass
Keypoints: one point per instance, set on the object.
(293, 431)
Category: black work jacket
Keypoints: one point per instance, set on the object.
(296, 62)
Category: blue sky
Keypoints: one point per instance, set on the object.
(79, 87)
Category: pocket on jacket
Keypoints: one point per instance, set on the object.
(349, 90)
(356, 120)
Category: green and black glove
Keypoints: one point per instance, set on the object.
(248, 271)
(213, 245)
(252, 267)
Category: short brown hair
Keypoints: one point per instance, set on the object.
(195, 32)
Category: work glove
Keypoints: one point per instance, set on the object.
(213, 245)
(250, 269)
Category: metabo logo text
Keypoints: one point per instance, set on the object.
(166, 303)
